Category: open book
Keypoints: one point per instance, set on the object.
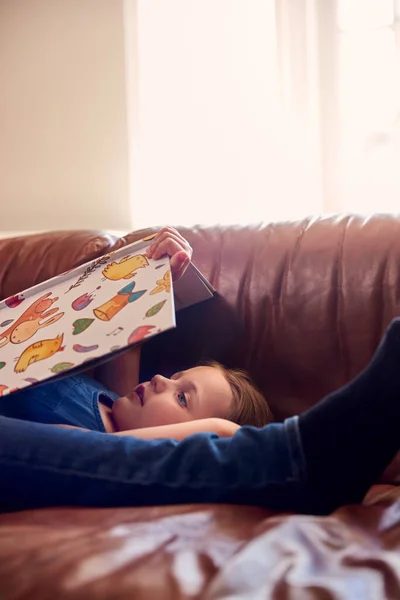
(89, 314)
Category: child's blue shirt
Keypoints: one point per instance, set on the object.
(71, 401)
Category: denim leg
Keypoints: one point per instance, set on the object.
(42, 465)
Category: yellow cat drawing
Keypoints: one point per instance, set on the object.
(125, 268)
(38, 351)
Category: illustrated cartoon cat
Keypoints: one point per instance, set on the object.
(31, 321)
(39, 351)
(126, 268)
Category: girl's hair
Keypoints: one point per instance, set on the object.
(249, 406)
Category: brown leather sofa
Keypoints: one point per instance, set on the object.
(302, 306)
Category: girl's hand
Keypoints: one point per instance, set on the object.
(227, 428)
(169, 241)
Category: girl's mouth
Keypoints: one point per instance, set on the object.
(140, 393)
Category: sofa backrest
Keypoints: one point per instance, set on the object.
(301, 305)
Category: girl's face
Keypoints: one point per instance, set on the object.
(198, 393)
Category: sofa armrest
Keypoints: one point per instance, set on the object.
(31, 259)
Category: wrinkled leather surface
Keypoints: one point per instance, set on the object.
(302, 306)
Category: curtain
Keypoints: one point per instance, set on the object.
(368, 45)
(257, 110)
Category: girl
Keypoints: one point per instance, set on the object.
(205, 398)
(311, 463)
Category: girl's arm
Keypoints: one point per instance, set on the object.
(180, 431)
(177, 431)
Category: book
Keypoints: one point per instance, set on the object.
(91, 313)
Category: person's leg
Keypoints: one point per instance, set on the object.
(41, 465)
(351, 436)
(328, 456)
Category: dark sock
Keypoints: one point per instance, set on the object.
(351, 436)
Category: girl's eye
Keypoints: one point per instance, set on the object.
(182, 399)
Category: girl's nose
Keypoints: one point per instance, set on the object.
(159, 383)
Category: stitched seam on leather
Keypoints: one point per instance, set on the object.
(341, 337)
(243, 301)
(382, 285)
(216, 265)
(289, 256)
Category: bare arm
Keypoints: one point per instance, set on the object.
(177, 431)
(180, 431)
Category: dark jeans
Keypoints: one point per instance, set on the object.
(43, 465)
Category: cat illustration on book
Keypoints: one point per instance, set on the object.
(31, 320)
(39, 351)
(125, 268)
(163, 285)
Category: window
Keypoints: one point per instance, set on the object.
(251, 110)
(211, 144)
(369, 102)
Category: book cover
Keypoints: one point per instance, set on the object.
(96, 310)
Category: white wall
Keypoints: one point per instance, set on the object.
(63, 115)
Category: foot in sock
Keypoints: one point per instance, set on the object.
(351, 436)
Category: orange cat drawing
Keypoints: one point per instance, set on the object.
(31, 321)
